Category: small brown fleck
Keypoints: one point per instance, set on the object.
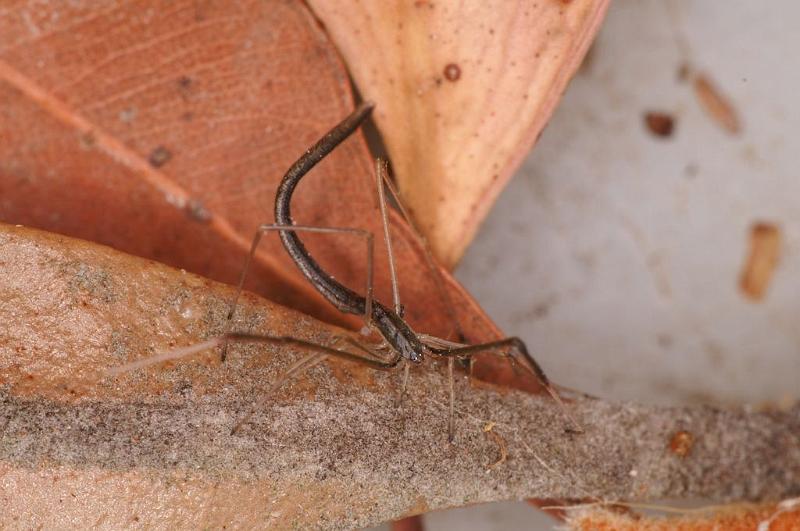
(765, 246)
(184, 82)
(159, 156)
(659, 123)
(684, 72)
(664, 340)
(87, 140)
(540, 311)
(681, 443)
(452, 72)
(716, 104)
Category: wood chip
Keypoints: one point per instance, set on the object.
(716, 104)
(765, 244)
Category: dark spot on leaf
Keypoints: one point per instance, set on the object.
(87, 140)
(198, 211)
(159, 156)
(452, 72)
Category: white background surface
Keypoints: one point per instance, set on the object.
(616, 255)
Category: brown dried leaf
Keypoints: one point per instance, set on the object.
(463, 93)
(143, 127)
(766, 517)
(164, 130)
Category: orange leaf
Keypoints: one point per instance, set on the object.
(766, 517)
(163, 131)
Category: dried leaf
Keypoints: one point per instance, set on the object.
(332, 450)
(164, 131)
(462, 92)
(145, 128)
(767, 517)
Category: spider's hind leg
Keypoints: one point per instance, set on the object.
(502, 347)
(298, 228)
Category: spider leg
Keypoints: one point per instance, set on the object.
(314, 358)
(514, 344)
(318, 354)
(298, 228)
